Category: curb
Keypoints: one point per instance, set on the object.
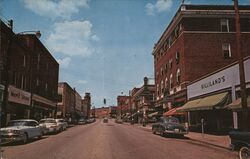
(208, 143)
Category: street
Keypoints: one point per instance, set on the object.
(113, 141)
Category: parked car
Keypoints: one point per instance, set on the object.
(169, 125)
(118, 121)
(50, 124)
(105, 120)
(90, 120)
(62, 123)
(20, 130)
(82, 121)
(240, 141)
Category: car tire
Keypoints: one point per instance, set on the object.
(40, 135)
(154, 130)
(162, 132)
(25, 138)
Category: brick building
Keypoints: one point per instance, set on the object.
(199, 40)
(70, 103)
(31, 75)
(86, 105)
(143, 100)
(101, 112)
(123, 105)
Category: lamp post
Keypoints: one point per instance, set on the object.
(6, 71)
(241, 68)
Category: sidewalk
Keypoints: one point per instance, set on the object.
(214, 140)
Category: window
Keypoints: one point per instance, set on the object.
(177, 57)
(24, 60)
(171, 81)
(38, 61)
(226, 48)
(162, 87)
(178, 76)
(169, 41)
(157, 90)
(46, 87)
(166, 67)
(37, 82)
(23, 82)
(224, 25)
(170, 63)
(162, 71)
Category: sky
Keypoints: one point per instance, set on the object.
(102, 46)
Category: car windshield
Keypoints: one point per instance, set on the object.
(171, 120)
(17, 123)
(47, 121)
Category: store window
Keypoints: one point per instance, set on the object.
(226, 49)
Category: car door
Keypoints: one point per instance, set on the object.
(30, 129)
(35, 129)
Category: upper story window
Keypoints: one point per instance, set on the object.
(169, 41)
(162, 87)
(24, 60)
(38, 60)
(162, 71)
(177, 57)
(178, 76)
(37, 82)
(226, 48)
(224, 23)
(171, 82)
(23, 82)
(166, 67)
(157, 90)
(46, 87)
(170, 63)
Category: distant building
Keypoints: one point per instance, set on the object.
(123, 105)
(101, 112)
(199, 40)
(69, 104)
(86, 105)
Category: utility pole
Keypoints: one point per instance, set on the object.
(241, 68)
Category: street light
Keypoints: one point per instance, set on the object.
(7, 70)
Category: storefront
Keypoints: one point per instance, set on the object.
(18, 106)
(209, 99)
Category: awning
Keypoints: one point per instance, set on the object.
(153, 114)
(206, 103)
(237, 104)
(172, 112)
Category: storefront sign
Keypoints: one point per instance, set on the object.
(223, 79)
(17, 95)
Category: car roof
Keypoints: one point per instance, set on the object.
(24, 120)
(48, 119)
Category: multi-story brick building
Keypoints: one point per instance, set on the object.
(101, 112)
(199, 40)
(30, 74)
(70, 103)
(123, 105)
(142, 100)
(86, 104)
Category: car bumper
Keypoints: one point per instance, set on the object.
(177, 132)
(7, 138)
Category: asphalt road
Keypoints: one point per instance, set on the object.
(113, 141)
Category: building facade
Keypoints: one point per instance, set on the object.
(29, 74)
(101, 112)
(86, 105)
(199, 40)
(216, 99)
(123, 105)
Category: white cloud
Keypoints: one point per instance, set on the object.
(54, 9)
(72, 38)
(82, 81)
(64, 63)
(159, 6)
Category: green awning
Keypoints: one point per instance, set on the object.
(206, 103)
(237, 104)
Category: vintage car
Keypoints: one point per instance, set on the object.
(169, 125)
(50, 124)
(240, 141)
(82, 121)
(105, 120)
(20, 130)
(62, 123)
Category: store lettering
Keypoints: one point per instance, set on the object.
(214, 82)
